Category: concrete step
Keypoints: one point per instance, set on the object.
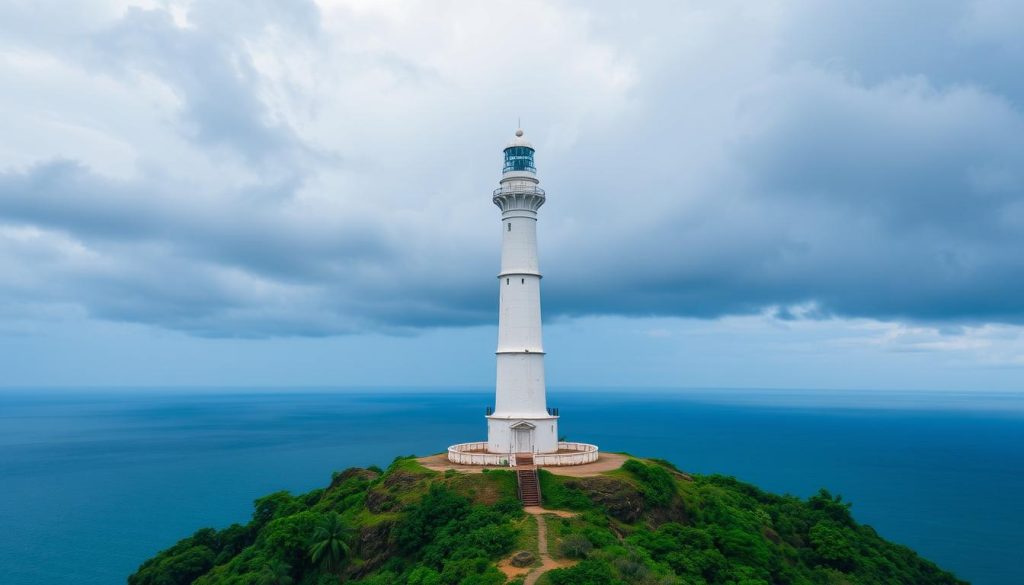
(529, 486)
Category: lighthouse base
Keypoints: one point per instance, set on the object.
(509, 436)
(522, 434)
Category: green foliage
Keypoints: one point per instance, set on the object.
(471, 571)
(424, 576)
(833, 507)
(509, 506)
(382, 578)
(273, 506)
(329, 546)
(181, 566)
(481, 533)
(423, 520)
(833, 545)
(192, 557)
(450, 529)
(558, 496)
(576, 546)
(599, 537)
(588, 572)
(287, 538)
(664, 463)
(658, 485)
(231, 541)
(275, 572)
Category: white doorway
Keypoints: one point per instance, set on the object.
(522, 437)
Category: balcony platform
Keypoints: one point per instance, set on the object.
(568, 454)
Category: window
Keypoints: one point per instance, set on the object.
(506, 281)
(522, 281)
(510, 227)
(518, 158)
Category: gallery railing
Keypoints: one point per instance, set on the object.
(518, 190)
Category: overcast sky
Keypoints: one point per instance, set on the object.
(766, 194)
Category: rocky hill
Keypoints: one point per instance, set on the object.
(644, 523)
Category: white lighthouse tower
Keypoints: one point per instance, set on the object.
(521, 421)
(521, 429)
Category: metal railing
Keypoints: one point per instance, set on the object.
(551, 411)
(519, 190)
(569, 454)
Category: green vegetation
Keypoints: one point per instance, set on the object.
(645, 524)
(330, 542)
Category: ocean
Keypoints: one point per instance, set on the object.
(93, 482)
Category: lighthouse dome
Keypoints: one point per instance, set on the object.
(519, 140)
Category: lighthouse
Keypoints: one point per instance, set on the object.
(521, 421)
(521, 429)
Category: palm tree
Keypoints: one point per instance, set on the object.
(330, 542)
(276, 572)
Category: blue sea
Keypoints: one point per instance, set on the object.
(94, 482)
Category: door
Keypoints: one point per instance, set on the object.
(524, 440)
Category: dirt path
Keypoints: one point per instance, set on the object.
(546, 562)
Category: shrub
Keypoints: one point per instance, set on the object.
(423, 520)
(273, 506)
(183, 567)
(658, 486)
(588, 572)
(557, 495)
(833, 545)
(576, 546)
(424, 576)
(832, 507)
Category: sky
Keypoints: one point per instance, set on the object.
(765, 195)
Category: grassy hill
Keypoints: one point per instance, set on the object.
(645, 523)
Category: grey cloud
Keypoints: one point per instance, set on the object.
(792, 170)
(947, 41)
(213, 271)
(895, 201)
(67, 196)
(208, 69)
(901, 151)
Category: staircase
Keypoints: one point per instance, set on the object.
(526, 473)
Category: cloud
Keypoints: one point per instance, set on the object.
(258, 169)
(205, 64)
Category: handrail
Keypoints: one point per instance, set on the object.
(518, 190)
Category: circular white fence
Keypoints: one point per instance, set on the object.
(568, 454)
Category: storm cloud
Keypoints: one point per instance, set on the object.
(257, 169)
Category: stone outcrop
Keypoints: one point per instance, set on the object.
(621, 499)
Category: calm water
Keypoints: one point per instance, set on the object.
(93, 483)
